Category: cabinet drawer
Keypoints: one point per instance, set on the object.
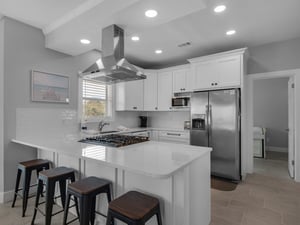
(174, 137)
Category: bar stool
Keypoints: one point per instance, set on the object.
(49, 178)
(134, 208)
(27, 167)
(86, 191)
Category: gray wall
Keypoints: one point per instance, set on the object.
(1, 100)
(270, 109)
(24, 50)
(277, 56)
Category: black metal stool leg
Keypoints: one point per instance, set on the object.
(158, 215)
(50, 187)
(26, 186)
(38, 193)
(92, 210)
(85, 211)
(109, 199)
(62, 188)
(108, 218)
(17, 187)
(66, 211)
(76, 206)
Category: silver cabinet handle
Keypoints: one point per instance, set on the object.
(173, 134)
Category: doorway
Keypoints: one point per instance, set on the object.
(271, 127)
(291, 129)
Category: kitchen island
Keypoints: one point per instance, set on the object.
(179, 175)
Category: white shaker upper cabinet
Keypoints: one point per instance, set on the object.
(181, 80)
(229, 71)
(206, 75)
(222, 70)
(150, 92)
(130, 96)
(165, 91)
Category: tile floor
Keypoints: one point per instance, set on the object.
(275, 165)
(12, 216)
(259, 200)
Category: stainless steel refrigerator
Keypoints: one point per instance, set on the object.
(215, 122)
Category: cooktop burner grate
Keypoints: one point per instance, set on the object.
(114, 140)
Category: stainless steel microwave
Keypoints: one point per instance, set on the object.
(180, 102)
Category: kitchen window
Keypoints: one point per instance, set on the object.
(96, 100)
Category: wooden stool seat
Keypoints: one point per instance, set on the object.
(85, 191)
(33, 164)
(58, 173)
(134, 208)
(49, 178)
(27, 167)
(88, 185)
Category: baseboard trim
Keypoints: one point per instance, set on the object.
(276, 149)
(6, 196)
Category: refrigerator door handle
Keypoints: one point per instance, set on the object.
(209, 125)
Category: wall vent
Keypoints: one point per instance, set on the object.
(184, 44)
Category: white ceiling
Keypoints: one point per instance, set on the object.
(65, 22)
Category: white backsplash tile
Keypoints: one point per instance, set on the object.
(167, 119)
(33, 122)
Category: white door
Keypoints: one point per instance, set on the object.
(291, 117)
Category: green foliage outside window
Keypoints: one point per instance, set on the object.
(94, 108)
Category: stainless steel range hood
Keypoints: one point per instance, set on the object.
(112, 67)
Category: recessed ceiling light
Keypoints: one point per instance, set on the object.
(135, 38)
(151, 13)
(230, 32)
(85, 41)
(220, 8)
(158, 51)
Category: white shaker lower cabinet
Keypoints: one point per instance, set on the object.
(130, 96)
(179, 137)
(164, 91)
(150, 92)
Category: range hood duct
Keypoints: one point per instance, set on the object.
(112, 67)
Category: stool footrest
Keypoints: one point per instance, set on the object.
(101, 214)
(53, 214)
(73, 220)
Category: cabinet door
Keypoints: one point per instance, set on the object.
(150, 92)
(188, 80)
(165, 91)
(130, 96)
(206, 75)
(229, 71)
(179, 81)
(182, 80)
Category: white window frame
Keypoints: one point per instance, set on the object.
(109, 101)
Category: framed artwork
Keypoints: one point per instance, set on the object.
(49, 87)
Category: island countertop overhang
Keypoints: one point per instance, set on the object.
(151, 158)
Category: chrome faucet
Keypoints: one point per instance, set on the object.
(102, 123)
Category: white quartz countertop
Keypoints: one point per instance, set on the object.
(155, 159)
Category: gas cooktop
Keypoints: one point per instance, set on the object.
(114, 140)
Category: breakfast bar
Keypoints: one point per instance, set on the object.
(178, 174)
